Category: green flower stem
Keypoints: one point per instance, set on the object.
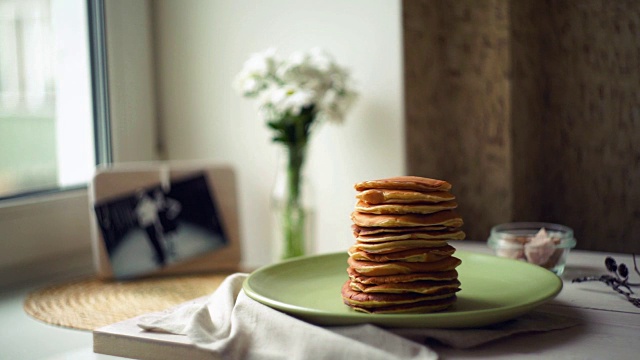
(293, 220)
(293, 132)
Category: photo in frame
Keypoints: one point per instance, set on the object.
(160, 220)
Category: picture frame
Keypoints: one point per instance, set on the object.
(164, 218)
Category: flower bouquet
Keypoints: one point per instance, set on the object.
(294, 95)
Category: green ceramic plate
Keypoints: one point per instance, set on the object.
(493, 290)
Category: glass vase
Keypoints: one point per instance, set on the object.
(291, 206)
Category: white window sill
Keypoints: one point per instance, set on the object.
(23, 337)
(45, 239)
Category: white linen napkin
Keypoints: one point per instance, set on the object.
(233, 326)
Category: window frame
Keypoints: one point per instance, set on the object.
(99, 81)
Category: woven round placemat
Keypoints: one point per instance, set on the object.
(92, 303)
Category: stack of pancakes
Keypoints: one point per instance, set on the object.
(402, 261)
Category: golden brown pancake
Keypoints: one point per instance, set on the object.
(392, 279)
(370, 268)
(421, 287)
(415, 183)
(384, 299)
(382, 302)
(411, 255)
(421, 307)
(388, 196)
(422, 208)
(401, 261)
(421, 235)
(447, 218)
(395, 246)
(364, 230)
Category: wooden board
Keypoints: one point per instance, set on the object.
(126, 339)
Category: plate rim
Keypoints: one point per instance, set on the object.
(445, 319)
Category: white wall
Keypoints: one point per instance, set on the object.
(201, 46)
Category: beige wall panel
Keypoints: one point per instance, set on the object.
(457, 104)
(531, 110)
(593, 121)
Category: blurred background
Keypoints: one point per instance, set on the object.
(530, 109)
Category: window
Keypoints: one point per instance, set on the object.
(46, 116)
(48, 236)
(52, 73)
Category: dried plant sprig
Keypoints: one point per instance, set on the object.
(635, 267)
(619, 281)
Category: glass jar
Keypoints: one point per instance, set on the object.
(540, 243)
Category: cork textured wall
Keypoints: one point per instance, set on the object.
(531, 109)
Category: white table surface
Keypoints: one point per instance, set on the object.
(610, 326)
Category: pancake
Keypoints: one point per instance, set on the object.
(370, 268)
(422, 235)
(395, 246)
(388, 196)
(392, 279)
(421, 307)
(401, 261)
(415, 183)
(421, 208)
(447, 218)
(426, 287)
(388, 303)
(411, 255)
(371, 300)
(365, 230)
